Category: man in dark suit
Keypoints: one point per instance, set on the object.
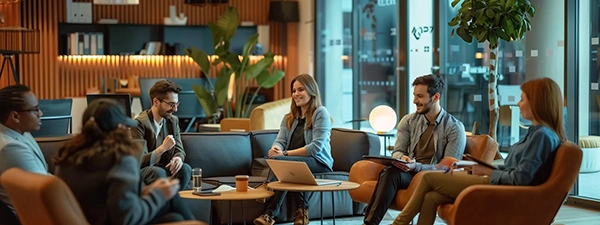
(160, 128)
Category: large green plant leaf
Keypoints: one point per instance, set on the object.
(206, 100)
(222, 86)
(262, 65)
(200, 57)
(268, 80)
(228, 23)
(249, 45)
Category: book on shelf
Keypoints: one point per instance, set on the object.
(153, 48)
(85, 43)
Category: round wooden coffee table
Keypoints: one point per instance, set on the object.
(342, 186)
(251, 194)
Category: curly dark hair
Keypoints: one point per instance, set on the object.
(161, 88)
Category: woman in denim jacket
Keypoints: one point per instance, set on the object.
(303, 136)
(528, 163)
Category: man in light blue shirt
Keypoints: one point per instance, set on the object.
(19, 115)
(424, 138)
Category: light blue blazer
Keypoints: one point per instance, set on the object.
(19, 150)
(317, 138)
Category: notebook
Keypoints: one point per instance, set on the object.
(296, 172)
(387, 161)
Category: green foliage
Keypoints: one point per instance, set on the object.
(215, 96)
(491, 20)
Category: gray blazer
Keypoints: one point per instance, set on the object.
(21, 151)
(317, 138)
(109, 191)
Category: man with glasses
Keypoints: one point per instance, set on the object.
(19, 115)
(160, 128)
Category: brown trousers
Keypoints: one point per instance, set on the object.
(436, 188)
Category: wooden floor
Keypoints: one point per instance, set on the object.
(567, 215)
(572, 215)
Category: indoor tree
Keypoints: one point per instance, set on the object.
(492, 20)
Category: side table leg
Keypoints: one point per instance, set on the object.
(333, 207)
(230, 214)
(243, 213)
(321, 208)
(302, 210)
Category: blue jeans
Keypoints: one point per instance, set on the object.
(297, 198)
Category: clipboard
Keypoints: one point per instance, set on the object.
(478, 161)
(386, 161)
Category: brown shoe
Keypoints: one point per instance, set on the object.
(301, 217)
(264, 219)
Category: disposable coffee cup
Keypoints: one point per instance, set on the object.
(241, 183)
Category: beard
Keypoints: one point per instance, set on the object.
(166, 114)
(427, 108)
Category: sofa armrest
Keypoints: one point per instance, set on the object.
(474, 203)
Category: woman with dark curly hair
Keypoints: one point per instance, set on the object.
(100, 168)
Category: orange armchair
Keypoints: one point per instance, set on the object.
(46, 200)
(501, 204)
(366, 172)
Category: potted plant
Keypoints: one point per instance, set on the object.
(234, 66)
(492, 20)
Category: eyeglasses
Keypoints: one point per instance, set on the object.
(171, 104)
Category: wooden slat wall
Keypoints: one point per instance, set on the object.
(53, 76)
(11, 19)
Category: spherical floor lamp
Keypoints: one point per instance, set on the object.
(383, 119)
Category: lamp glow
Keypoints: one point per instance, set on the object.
(382, 119)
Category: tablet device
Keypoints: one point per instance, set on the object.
(469, 157)
(387, 161)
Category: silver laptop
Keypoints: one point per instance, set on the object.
(296, 172)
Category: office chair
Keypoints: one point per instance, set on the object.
(56, 118)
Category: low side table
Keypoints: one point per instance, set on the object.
(231, 196)
(343, 186)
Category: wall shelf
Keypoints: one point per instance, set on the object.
(128, 39)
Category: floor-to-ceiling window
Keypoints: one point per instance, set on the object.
(356, 57)
(367, 48)
(589, 98)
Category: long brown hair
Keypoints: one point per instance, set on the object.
(93, 142)
(315, 100)
(546, 103)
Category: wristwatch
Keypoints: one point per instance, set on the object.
(285, 153)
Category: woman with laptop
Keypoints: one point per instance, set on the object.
(528, 163)
(304, 136)
(100, 168)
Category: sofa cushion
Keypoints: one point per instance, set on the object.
(348, 146)
(262, 142)
(218, 154)
(50, 147)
